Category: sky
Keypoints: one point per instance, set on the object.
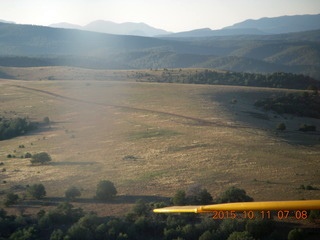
(170, 15)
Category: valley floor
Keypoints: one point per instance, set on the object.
(153, 139)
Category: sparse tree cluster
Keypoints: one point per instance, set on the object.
(10, 128)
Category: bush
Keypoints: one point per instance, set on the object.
(105, 190)
(37, 191)
(72, 193)
(41, 158)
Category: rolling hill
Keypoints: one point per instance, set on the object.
(26, 45)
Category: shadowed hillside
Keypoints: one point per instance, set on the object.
(26, 46)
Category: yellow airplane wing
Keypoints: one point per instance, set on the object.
(244, 206)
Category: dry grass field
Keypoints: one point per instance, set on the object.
(152, 139)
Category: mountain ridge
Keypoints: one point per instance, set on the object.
(281, 24)
(262, 26)
(28, 45)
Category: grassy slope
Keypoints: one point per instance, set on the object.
(180, 135)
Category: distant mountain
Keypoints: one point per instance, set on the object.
(4, 21)
(66, 25)
(263, 26)
(129, 28)
(207, 32)
(283, 24)
(28, 45)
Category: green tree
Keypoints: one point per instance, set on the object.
(204, 197)
(37, 191)
(72, 193)
(46, 120)
(79, 232)
(29, 233)
(179, 198)
(259, 228)
(296, 234)
(240, 236)
(57, 235)
(234, 194)
(105, 190)
(11, 198)
(314, 214)
(41, 158)
(207, 235)
(141, 208)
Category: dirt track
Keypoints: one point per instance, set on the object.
(198, 121)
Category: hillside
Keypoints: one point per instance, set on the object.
(26, 45)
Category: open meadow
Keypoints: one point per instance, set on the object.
(152, 139)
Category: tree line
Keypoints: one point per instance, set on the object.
(273, 80)
(303, 105)
(67, 222)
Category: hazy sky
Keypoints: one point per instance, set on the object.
(171, 15)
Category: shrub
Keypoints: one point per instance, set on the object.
(28, 155)
(281, 127)
(41, 158)
(72, 193)
(37, 191)
(179, 198)
(105, 190)
(46, 120)
(307, 128)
